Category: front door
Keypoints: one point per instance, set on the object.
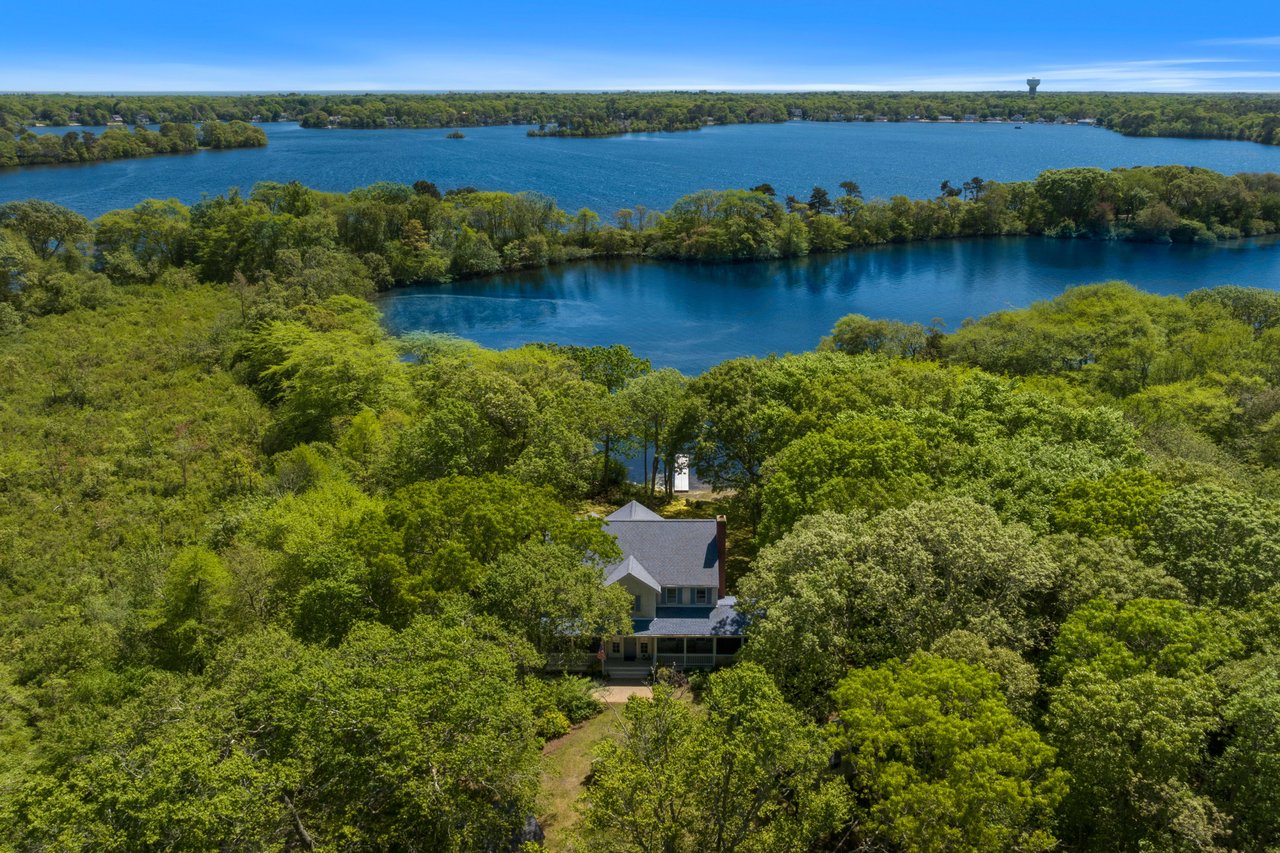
(629, 649)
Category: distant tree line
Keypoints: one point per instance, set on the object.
(117, 143)
(1251, 117)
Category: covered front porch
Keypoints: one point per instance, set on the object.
(679, 652)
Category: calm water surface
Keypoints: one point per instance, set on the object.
(652, 169)
(693, 316)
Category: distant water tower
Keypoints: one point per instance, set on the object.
(1033, 83)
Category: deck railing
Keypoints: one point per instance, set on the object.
(694, 661)
(587, 662)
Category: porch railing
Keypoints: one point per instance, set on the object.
(695, 661)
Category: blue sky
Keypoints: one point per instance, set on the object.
(378, 45)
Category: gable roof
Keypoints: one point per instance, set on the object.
(633, 511)
(674, 552)
(630, 567)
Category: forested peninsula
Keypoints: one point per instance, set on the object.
(1249, 117)
(387, 234)
(117, 143)
(272, 579)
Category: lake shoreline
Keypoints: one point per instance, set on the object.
(652, 170)
(693, 315)
(1257, 240)
(32, 167)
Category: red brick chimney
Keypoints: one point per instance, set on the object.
(721, 544)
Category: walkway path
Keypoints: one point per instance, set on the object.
(618, 692)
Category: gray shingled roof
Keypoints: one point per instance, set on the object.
(631, 566)
(723, 620)
(633, 511)
(676, 552)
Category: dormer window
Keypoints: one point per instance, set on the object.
(700, 595)
(671, 595)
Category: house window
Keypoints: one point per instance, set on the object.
(728, 645)
(635, 604)
(617, 647)
(700, 645)
(670, 645)
(700, 595)
(671, 595)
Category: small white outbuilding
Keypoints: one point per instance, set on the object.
(681, 478)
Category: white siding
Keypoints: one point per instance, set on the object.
(681, 474)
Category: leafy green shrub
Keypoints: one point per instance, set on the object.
(568, 698)
(1190, 231)
(1064, 230)
(552, 724)
(575, 697)
(10, 320)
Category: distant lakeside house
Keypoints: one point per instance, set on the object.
(674, 570)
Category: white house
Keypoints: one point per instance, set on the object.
(675, 572)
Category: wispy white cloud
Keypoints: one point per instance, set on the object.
(586, 70)
(1174, 75)
(1259, 41)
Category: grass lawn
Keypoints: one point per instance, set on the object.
(565, 764)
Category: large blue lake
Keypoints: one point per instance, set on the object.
(693, 316)
(652, 169)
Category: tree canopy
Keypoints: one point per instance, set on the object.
(274, 578)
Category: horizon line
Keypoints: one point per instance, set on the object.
(660, 90)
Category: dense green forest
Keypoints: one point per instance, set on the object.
(1255, 118)
(116, 143)
(272, 579)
